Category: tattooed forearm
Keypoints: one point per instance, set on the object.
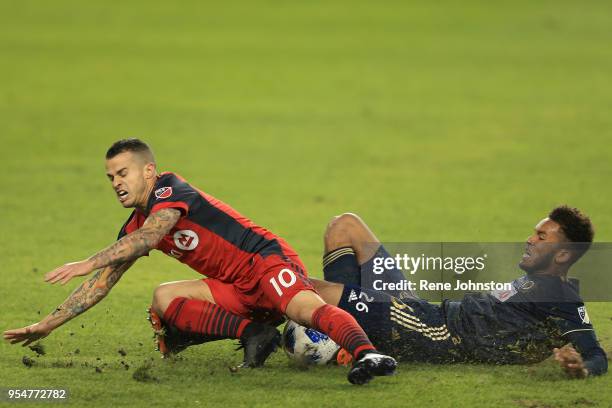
(88, 294)
(139, 242)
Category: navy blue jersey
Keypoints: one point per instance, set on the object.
(521, 325)
(518, 326)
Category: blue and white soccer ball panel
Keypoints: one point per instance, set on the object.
(308, 346)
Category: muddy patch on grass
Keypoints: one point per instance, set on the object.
(38, 348)
(27, 361)
(62, 364)
(144, 373)
(527, 403)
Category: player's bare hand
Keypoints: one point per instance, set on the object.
(28, 334)
(68, 271)
(571, 362)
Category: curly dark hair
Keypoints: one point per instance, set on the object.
(129, 145)
(576, 226)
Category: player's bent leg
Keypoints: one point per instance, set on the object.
(348, 243)
(168, 338)
(189, 315)
(349, 230)
(307, 308)
(342, 296)
(165, 293)
(350, 251)
(330, 292)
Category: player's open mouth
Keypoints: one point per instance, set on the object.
(122, 194)
(527, 253)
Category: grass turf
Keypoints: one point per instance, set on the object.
(434, 121)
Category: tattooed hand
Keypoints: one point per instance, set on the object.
(84, 297)
(128, 248)
(68, 271)
(28, 334)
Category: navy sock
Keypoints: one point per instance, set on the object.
(340, 266)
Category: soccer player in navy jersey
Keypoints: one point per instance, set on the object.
(542, 314)
(253, 276)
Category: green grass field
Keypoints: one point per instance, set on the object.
(435, 121)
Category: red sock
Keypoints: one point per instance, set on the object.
(342, 328)
(202, 317)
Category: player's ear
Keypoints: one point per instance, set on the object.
(563, 256)
(150, 171)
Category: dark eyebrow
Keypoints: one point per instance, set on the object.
(118, 171)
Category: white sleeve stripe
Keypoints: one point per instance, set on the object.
(577, 330)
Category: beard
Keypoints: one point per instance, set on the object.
(536, 262)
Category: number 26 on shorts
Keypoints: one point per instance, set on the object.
(286, 278)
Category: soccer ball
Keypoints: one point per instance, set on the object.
(308, 346)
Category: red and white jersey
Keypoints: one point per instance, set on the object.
(211, 237)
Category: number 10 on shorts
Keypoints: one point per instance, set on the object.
(286, 278)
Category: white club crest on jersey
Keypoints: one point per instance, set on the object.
(163, 192)
(186, 240)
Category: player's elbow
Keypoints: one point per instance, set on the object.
(150, 240)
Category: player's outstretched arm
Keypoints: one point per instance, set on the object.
(83, 298)
(128, 248)
(585, 358)
(571, 362)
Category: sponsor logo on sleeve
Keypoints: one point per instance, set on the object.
(503, 295)
(584, 316)
(163, 192)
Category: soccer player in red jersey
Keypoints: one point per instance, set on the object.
(253, 276)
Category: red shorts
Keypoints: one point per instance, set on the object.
(266, 292)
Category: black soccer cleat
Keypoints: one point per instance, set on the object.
(369, 366)
(259, 342)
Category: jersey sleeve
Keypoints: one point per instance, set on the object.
(171, 192)
(570, 317)
(585, 342)
(575, 326)
(124, 229)
(130, 226)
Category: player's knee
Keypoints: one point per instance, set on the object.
(347, 221)
(162, 296)
(304, 317)
(302, 306)
(341, 230)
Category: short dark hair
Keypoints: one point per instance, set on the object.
(576, 227)
(129, 145)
